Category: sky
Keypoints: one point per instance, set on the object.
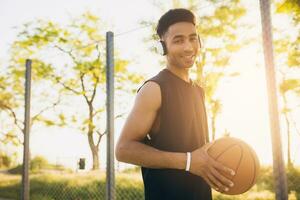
(244, 98)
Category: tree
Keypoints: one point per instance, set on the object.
(6, 161)
(80, 75)
(7, 103)
(287, 86)
(220, 27)
(12, 103)
(288, 52)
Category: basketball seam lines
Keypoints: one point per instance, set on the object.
(239, 166)
(240, 157)
(242, 152)
(254, 173)
(224, 150)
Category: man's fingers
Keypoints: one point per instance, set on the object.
(216, 183)
(211, 184)
(223, 168)
(225, 181)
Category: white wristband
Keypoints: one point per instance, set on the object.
(188, 161)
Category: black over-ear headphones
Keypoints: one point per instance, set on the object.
(164, 46)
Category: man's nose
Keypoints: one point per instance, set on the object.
(188, 46)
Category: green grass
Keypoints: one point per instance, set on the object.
(75, 186)
(91, 185)
(253, 194)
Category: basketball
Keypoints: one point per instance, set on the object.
(239, 156)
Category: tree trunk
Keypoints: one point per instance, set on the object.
(93, 146)
(96, 164)
(289, 160)
(285, 113)
(213, 127)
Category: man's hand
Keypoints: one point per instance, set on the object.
(206, 167)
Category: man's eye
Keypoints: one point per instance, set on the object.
(193, 39)
(177, 41)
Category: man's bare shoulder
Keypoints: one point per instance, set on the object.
(149, 95)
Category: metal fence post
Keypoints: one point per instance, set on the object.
(110, 171)
(278, 164)
(26, 156)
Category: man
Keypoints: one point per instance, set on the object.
(166, 130)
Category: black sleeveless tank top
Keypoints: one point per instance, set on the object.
(182, 128)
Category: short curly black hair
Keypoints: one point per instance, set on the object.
(173, 16)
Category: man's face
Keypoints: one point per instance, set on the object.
(182, 44)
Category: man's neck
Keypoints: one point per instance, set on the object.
(182, 73)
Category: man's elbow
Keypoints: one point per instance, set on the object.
(119, 153)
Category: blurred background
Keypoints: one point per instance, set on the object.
(66, 42)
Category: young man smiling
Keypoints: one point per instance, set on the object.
(166, 130)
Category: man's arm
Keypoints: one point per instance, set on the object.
(130, 149)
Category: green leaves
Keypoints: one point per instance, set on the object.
(10, 137)
(6, 97)
(287, 48)
(288, 6)
(289, 85)
(294, 55)
(211, 81)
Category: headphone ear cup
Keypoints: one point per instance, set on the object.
(159, 48)
(200, 42)
(164, 47)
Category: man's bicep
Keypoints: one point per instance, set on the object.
(143, 113)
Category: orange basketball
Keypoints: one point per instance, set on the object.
(239, 156)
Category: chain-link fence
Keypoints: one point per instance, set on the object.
(68, 178)
(85, 185)
(129, 183)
